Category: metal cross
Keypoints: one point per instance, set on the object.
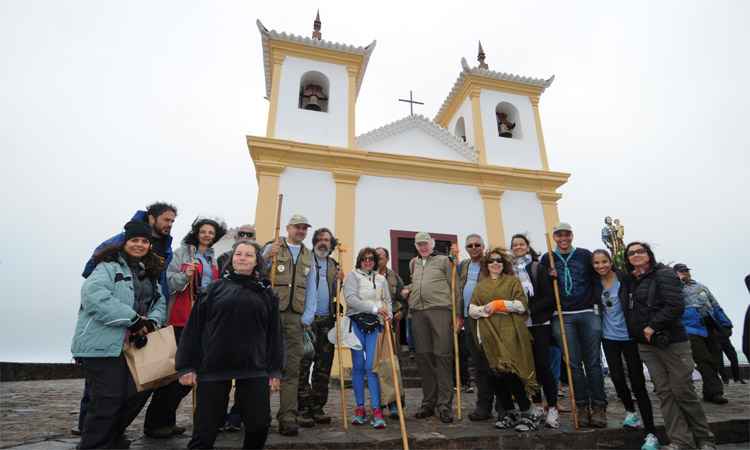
(411, 102)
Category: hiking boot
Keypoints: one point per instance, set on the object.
(393, 410)
(553, 418)
(598, 416)
(320, 417)
(717, 399)
(478, 415)
(360, 417)
(305, 421)
(378, 421)
(446, 415)
(159, 433)
(632, 421)
(584, 416)
(424, 413)
(650, 443)
(178, 430)
(288, 428)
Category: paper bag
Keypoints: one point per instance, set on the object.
(382, 367)
(347, 361)
(152, 366)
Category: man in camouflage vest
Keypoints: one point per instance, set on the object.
(292, 269)
(321, 292)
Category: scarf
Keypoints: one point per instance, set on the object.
(519, 266)
(567, 277)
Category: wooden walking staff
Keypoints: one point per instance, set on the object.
(276, 238)
(454, 254)
(396, 387)
(556, 288)
(338, 344)
(191, 293)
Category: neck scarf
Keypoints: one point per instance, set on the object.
(519, 266)
(567, 277)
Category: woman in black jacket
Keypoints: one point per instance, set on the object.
(235, 333)
(536, 284)
(655, 307)
(610, 291)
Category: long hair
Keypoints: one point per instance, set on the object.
(153, 263)
(507, 262)
(532, 252)
(651, 257)
(191, 238)
(363, 253)
(259, 261)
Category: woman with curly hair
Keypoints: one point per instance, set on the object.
(500, 307)
(120, 301)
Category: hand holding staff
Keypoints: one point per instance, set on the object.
(454, 258)
(397, 388)
(556, 288)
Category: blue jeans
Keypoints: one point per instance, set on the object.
(362, 362)
(554, 358)
(584, 334)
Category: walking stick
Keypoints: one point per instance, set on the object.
(338, 346)
(276, 238)
(402, 423)
(455, 336)
(556, 288)
(191, 293)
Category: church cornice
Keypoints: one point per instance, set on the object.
(424, 124)
(277, 44)
(270, 152)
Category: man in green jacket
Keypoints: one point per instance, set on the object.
(430, 306)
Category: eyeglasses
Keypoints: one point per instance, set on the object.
(368, 259)
(637, 251)
(245, 234)
(495, 260)
(473, 246)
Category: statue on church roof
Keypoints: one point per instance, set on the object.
(613, 235)
(316, 27)
(481, 57)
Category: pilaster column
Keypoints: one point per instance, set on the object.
(352, 73)
(493, 216)
(346, 199)
(273, 102)
(539, 135)
(476, 113)
(267, 175)
(549, 209)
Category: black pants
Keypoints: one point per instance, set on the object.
(707, 356)
(542, 335)
(162, 411)
(514, 387)
(113, 401)
(212, 398)
(84, 405)
(487, 389)
(728, 349)
(466, 362)
(614, 351)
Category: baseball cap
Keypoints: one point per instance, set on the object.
(299, 219)
(422, 237)
(680, 267)
(562, 226)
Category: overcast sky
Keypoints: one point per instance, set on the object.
(107, 106)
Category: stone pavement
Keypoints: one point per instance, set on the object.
(39, 414)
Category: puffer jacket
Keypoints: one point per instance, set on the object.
(106, 311)
(655, 300)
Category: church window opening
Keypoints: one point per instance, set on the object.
(508, 125)
(460, 130)
(313, 92)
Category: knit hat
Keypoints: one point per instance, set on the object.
(135, 229)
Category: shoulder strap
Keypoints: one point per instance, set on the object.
(534, 272)
(411, 265)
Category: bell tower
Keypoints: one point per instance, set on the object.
(312, 86)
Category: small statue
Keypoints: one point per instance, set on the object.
(613, 235)
(608, 233)
(619, 236)
(505, 126)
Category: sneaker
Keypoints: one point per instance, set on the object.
(393, 410)
(468, 389)
(598, 416)
(508, 420)
(528, 421)
(650, 443)
(75, 431)
(359, 416)
(378, 421)
(553, 418)
(632, 421)
(288, 428)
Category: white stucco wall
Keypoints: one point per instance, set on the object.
(522, 153)
(415, 142)
(311, 193)
(325, 128)
(385, 204)
(522, 213)
(463, 111)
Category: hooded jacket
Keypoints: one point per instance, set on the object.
(655, 300)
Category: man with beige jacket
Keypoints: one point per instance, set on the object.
(430, 304)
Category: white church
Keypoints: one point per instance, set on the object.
(479, 166)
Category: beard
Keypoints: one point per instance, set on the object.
(322, 251)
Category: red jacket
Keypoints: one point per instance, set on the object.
(182, 305)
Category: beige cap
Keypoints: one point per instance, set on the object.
(422, 237)
(299, 219)
(562, 226)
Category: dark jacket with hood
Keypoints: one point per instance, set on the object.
(542, 303)
(234, 333)
(655, 300)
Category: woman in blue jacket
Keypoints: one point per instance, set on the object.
(120, 300)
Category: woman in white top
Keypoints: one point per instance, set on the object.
(368, 302)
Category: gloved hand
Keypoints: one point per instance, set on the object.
(504, 306)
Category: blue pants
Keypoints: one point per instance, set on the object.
(362, 362)
(584, 334)
(555, 355)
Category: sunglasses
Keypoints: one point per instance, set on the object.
(369, 258)
(245, 234)
(638, 251)
(473, 245)
(495, 260)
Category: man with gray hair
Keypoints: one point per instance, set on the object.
(430, 302)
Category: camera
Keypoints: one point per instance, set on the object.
(660, 339)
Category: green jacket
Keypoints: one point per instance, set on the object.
(106, 311)
(430, 286)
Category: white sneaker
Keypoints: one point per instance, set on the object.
(650, 443)
(553, 418)
(632, 421)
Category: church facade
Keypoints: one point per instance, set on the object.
(479, 166)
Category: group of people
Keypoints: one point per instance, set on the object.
(242, 318)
